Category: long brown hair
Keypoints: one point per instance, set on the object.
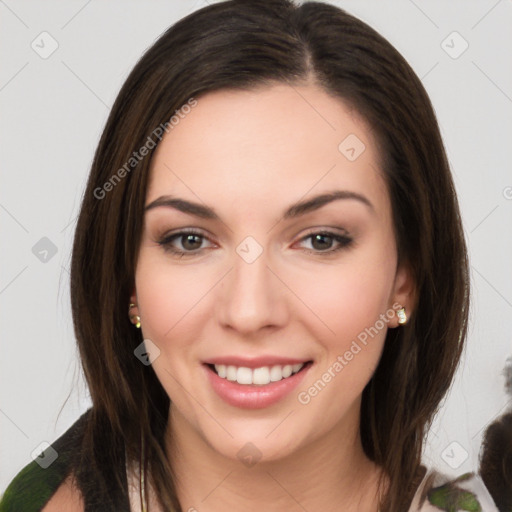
(243, 44)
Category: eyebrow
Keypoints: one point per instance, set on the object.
(295, 210)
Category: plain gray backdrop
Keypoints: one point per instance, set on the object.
(62, 64)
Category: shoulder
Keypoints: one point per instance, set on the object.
(45, 481)
(68, 497)
(439, 491)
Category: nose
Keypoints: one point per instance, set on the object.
(252, 297)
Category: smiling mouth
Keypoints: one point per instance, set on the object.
(257, 376)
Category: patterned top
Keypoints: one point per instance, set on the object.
(440, 492)
(437, 492)
(36, 483)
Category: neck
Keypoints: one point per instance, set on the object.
(322, 475)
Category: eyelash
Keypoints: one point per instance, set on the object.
(344, 242)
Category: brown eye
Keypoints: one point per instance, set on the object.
(191, 241)
(323, 241)
(184, 243)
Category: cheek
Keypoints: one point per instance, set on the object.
(347, 298)
(165, 295)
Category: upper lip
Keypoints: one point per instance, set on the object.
(255, 362)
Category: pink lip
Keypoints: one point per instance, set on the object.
(255, 362)
(253, 396)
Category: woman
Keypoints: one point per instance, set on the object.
(269, 278)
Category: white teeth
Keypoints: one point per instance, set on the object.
(276, 373)
(287, 370)
(244, 375)
(259, 376)
(231, 373)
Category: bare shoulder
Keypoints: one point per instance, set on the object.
(68, 497)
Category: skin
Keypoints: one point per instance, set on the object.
(67, 497)
(250, 155)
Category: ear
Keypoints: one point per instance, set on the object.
(133, 310)
(404, 292)
(133, 296)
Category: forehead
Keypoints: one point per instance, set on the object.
(274, 143)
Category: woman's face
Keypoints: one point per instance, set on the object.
(263, 283)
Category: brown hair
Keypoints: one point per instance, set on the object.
(496, 453)
(241, 45)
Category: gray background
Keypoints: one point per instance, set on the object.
(53, 111)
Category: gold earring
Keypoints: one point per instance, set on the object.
(135, 319)
(402, 317)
